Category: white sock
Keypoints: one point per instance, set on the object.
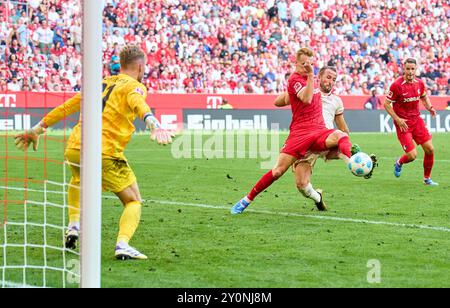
(246, 199)
(74, 225)
(311, 193)
(122, 244)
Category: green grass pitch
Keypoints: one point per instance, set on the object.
(192, 240)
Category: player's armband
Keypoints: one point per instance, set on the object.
(298, 87)
(390, 96)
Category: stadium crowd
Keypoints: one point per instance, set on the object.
(229, 46)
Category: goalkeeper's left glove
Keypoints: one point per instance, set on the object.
(30, 136)
(162, 136)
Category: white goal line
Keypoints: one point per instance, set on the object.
(14, 285)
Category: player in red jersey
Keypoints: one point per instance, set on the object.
(308, 132)
(333, 113)
(402, 103)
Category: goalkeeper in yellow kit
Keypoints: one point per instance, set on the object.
(124, 99)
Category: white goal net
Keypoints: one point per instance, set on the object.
(32, 244)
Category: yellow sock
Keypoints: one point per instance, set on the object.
(129, 221)
(74, 203)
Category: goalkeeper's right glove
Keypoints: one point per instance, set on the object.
(30, 136)
(162, 136)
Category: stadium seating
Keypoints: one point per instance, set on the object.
(214, 47)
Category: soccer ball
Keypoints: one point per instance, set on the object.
(360, 164)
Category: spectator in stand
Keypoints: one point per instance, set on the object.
(225, 105)
(3, 85)
(58, 38)
(114, 65)
(356, 88)
(240, 89)
(365, 89)
(15, 85)
(374, 102)
(246, 38)
(77, 87)
(44, 38)
(258, 88)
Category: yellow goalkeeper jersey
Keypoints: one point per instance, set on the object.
(124, 99)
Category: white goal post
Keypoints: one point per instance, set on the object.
(91, 157)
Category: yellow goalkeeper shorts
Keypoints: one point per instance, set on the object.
(117, 175)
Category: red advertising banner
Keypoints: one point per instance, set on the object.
(167, 107)
(172, 102)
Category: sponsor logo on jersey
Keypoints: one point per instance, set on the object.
(411, 99)
(298, 87)
(139, 91)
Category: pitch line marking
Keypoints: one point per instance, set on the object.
(14, 285)
(333, 218)
(219, 207)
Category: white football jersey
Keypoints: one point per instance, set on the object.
(332, 106)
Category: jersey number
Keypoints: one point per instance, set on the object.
(107, 95)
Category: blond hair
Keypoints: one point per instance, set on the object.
(130, 54)
(304, 51)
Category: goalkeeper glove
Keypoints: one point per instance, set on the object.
(162, 136)
(30, 136)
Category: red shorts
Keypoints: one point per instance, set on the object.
(417, 131)
(300, 143)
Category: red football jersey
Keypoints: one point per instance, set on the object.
(304, 116)
(405, 97)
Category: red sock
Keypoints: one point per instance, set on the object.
(428, 163)
(345, 146)
(263, 183)
(404, 160)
